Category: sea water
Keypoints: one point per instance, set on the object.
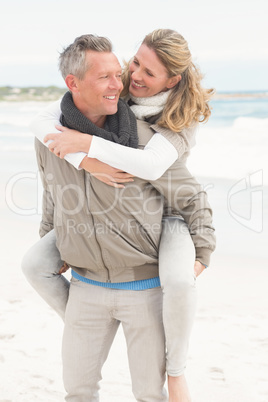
(234, 142)
(226, 111)
(15, 118)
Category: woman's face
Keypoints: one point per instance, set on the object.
(148, 75)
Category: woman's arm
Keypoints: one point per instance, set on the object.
(149, 164)
(45, 123)
(158, 155)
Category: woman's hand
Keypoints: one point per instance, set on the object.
(105, 173)
(68, 142)
(64, 268)
(198, 268)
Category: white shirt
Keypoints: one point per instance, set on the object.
(149, 164)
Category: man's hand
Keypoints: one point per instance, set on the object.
(68, 142)
(198, 268)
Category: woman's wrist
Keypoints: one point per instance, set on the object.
(85, 142)
(89, 164)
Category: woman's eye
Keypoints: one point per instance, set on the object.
(136, 62)
(150, 74)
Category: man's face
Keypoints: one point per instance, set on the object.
(98, 92)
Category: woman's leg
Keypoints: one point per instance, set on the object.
(176, 269)
(41, 265)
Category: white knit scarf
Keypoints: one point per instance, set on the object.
(147, 107)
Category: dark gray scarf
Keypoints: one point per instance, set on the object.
(120, 127)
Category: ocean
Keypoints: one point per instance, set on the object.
(234, 142)
(226, 111)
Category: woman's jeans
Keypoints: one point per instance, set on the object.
(42, 263)
(176, 271)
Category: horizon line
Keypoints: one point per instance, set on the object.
(245, 91)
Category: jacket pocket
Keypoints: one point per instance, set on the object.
(145, 241)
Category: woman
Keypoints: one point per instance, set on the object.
(162, 85)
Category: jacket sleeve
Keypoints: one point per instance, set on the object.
(183, 141)
(46, 223)
(186, 196)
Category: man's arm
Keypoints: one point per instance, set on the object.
(186, 196)
(46, 223)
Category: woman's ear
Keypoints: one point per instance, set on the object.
(71, 82)
(173, 81)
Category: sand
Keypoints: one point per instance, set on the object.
(228, 358)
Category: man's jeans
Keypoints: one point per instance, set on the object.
(92, 318)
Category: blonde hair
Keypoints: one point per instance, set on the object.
(187, 104)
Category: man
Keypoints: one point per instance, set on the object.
(110, 237)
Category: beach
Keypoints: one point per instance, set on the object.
(228, 356)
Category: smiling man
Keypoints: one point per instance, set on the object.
(114, 270)
(96, 94)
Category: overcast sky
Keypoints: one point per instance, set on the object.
(228, 38)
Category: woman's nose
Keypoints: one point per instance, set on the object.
(136, 75)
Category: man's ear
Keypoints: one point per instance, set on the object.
(173, 81)
(71, 82)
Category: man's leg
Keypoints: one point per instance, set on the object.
(41, 265)
(88, 334)
(141, 315)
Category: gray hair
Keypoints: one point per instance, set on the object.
(73, 58)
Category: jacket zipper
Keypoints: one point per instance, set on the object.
(87, 177)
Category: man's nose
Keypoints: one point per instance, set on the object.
(116, 83)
